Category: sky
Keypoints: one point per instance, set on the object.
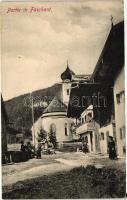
(37, 45)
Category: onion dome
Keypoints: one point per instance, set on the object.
(67, 74)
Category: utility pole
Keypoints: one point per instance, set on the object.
(32, 109)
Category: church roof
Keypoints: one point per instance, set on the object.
(67, 74)
(56, 106)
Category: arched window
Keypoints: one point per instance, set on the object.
(53, 128)
(82, 120)
(68, 91)
(66, 133)
(85, 118)
(102, 136)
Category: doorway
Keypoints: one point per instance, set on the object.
(91, 140)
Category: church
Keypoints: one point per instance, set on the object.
(54, 118)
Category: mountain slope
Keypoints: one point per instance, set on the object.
(19, 108)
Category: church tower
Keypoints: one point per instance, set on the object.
(66, 77)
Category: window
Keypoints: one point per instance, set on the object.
(120, 97)
(68, 91)
(121, 134)
(85, 118)
(123, 131)
(102, 136)
(107, 135)
(124, 149)
(66, 129)
(82, 120)
(53, 128)
(72, 128)
(89, 116)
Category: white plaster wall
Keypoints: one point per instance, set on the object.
(103, 143)
(59, 121)
(119, 111)
(66, 85)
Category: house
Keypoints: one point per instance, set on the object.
(88, 129)
(92, 103)
(110, 71)
(105, 92)
(9, 133)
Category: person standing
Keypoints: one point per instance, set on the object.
(112, 148)
(39, 148)
(85, 147)
(23, 152)
(22, 146)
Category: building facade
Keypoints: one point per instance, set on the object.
(110, 71)
(119, 104)
(88, 130)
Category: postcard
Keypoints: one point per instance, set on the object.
(63, 131)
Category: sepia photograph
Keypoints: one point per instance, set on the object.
(63, 130)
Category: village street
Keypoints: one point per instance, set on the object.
(51, 164)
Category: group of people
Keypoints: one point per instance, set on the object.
(44, 147)
(27, 149)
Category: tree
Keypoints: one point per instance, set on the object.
(52, 135)
(42, 135)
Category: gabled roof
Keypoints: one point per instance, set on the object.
(90, 94)
(111, 59)
(56, 106)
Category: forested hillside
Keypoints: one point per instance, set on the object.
(19, 108)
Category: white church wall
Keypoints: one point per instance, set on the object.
(60, 122)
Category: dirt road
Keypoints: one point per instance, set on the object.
(51, 164)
